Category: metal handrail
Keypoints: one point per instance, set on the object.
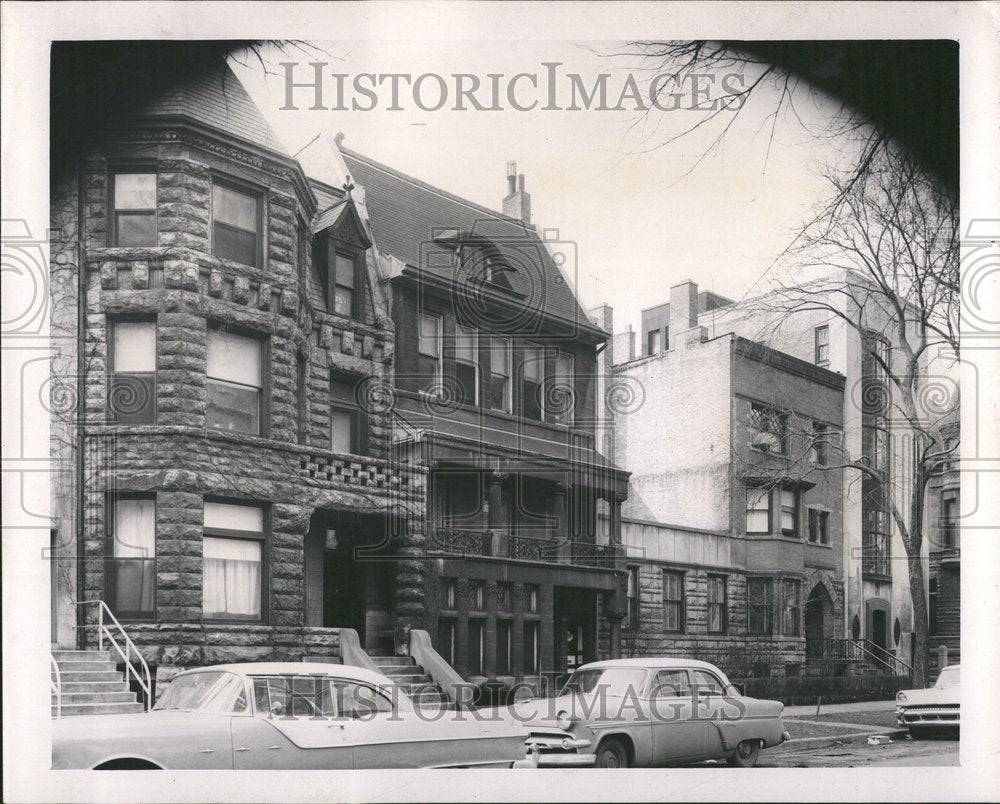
(55, 684)
(103, 630)
(892, 661)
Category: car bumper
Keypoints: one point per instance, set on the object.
(927, 716)
(555, 752)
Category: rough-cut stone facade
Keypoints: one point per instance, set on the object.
(289, 468)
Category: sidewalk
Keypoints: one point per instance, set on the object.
(836, 709)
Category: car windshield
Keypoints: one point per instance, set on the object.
(949, 678)
(614, 680)
(208, 691)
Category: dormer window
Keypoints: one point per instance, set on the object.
(339, 255)
(344, 279)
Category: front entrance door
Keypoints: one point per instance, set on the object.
(576, 628)
(880, 629)
(818, 622)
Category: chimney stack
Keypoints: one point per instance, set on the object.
(517, 203)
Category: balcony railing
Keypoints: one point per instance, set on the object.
(503, 544)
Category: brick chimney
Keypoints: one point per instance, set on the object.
(517, 203)
(623, 346)
(684, 327)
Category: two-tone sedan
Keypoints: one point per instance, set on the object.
(648, 712)
(932, 709)
(275, 715)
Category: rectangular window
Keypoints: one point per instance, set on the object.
(654, 342)
(532, 595)
(790, 608)
(768, 430)
(532, 373)
(235, 382)
(476, 646)
(302, 406)
(505, 596)
(633, 598)
(477, 595)
(789, 513)
(132, 386)
(429, 349)
(344, 276)
(347, 426)
(505, 647)
(819, 526)
(446, 639)
(134, 199)
(500, 389)
(758, 510)
(760, 608)
(673, 601)
(820, 444)
(467, 364)
(448, 593)
(236, 224)
(232, 550)
(530, 652)
(949, 519)
(717, 604)
(822, 339)
(133, 563)
(932, 606)
(564, 392)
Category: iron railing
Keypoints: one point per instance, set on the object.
(858, 651)
(55, 683)
(141, 673)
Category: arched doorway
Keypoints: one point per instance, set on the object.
(818, 622)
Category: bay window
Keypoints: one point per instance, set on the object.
(467, 364)
(789, 513)
(760, 606)
(344, 283)
(564, 393)
(790, 607)
(236, 224)
(235, 382)
(133, 556)
(758, 513)
(133, 201)
(532, 372)
(347, 427)
(429, 349)
(233, 561)
(132, 362)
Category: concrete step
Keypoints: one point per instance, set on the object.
(93, 686)
(98, 709)
(65, 656)
(90, 675)
(117, 696)
(86, 664)
(383, 662)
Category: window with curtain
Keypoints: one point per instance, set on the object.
(717, 604)
(232, 550)
(467, 364)
(532, 372)
(499, 387)
(132, 386)
(673, 601)
(235, 382)
(758, 510)
(429, 349)
(134, 199)
(790, 607)
(133, 563)
(789, 513)
(236, 224)
(564, 392)
(760, 608)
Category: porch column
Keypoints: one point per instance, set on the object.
(561, 533)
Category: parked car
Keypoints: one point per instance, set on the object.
(647, 712)
(274, 715)
(932, 709)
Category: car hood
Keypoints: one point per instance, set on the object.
(933, 695)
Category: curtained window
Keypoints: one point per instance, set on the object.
(133, 563)
(673, 601)
(233, 561)
(717, 604)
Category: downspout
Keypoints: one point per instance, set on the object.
(81, 321)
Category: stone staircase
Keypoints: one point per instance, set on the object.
(92, 685)
(410, 677)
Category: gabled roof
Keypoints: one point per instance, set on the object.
(215, 97)
(411, 220)
(343, 213)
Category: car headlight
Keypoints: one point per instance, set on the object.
(564, 720)
(900, 697)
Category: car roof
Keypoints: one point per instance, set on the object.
(299, 669)
(651, 663)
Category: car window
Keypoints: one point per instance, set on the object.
(317, 696)
(949, 678)
(706, 682)
(207, 691)
(359, 700)
(671, 684)
(613, 680)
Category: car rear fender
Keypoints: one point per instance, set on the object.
(128, 756)
(733, 732)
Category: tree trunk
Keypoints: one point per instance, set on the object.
(913, 541)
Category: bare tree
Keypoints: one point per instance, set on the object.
(888, 252)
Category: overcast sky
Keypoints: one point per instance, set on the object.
(641, 218)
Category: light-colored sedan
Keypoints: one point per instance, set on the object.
(306, 716)
(648, 712)
(935, 708)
